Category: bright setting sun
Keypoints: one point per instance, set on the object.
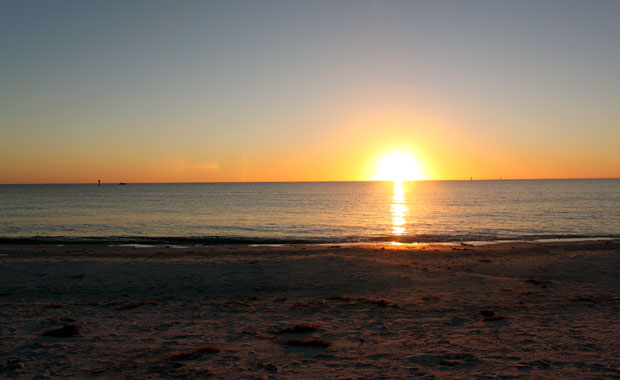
(398, 166)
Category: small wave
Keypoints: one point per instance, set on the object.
(445, 238)
(154, 240)
(251, 240)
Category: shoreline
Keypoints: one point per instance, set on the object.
(75, 250)
(517, 310)
(215, 241)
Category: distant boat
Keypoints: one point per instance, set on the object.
(121, 183)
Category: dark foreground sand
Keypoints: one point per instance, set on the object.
(503, 311)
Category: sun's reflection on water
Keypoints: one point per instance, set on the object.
(400, 211)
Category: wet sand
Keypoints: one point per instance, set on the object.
(523, 310)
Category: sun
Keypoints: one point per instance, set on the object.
(398, 166)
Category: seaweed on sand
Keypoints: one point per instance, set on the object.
(307, 343)
(298, 329)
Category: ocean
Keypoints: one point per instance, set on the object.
(311, 212)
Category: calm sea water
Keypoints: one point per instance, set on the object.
(328, 212)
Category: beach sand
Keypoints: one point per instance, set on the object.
(516, 310)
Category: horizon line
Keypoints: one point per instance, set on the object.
(314, 181)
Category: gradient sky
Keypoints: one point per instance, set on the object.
(178, 91)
